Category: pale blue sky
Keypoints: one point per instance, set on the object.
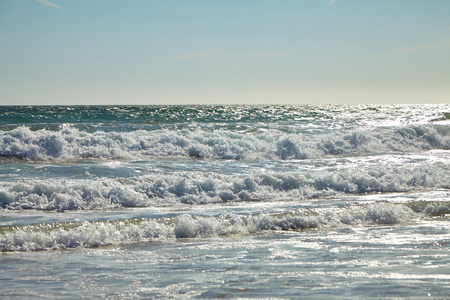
(224, 51)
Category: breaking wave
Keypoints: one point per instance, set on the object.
(102, 233)
(202, 188)
(72, 144)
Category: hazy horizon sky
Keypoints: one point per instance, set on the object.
(224, 52)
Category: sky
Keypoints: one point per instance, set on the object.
(60, 52)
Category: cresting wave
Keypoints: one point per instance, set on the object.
(70, 143)
(102, 233)
(203, 188)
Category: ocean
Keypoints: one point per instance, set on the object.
(274, 201)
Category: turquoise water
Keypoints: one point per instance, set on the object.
(225, 201)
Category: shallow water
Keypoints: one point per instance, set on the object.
(406, 261)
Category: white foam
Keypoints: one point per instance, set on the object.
(29, 238)
(71, 143)
(201, 187)
(92, 234)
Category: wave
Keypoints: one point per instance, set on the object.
(118, 232)
(70, 143)
(197, 188)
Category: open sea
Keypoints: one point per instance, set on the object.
(275, 201)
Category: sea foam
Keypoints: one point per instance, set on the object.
(202, 188)
(102, 233)
(72, 144)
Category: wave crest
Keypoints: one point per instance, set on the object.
(201, 188)
(72, 144)
(102, 233)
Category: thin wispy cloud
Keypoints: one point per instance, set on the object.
(332, 1)
(48, 3)
(194, 55)
(419, 48)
